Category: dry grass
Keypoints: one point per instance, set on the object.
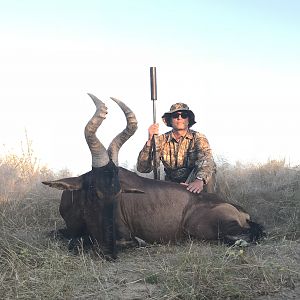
(35, 266)
(271, 192)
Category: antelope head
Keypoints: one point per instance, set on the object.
(102, 184)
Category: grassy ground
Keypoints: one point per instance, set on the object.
(33, 265)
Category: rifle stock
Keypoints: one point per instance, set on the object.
(155, 158)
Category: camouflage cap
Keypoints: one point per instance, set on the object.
(179, 106)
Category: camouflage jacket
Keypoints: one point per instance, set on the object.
(183, 160)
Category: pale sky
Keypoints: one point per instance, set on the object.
(235, 63)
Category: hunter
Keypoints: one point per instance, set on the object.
(185, 154)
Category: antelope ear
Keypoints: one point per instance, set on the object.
(70, 183)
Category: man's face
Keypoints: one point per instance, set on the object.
(180, 120)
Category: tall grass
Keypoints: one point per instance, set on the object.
(270, 191)
(35, 266)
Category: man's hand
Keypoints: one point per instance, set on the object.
(195, 186)
(152, 130)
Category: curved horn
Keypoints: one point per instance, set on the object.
(121, 138)
(99, 154)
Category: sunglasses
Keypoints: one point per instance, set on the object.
(183, 114)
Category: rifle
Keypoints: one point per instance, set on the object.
(153, 87)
